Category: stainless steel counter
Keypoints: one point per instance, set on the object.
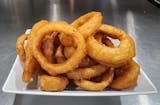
(138, 17)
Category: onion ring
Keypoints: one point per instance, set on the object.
(87, 25)
(51, 83)
(111, 56)
(87, 73)
(96, 86)
(127, 78)
(20, 47)
(87, 61)
(31, 65)
(71, 63)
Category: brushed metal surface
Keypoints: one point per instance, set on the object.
(137, 17)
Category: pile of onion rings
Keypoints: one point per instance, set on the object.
(81, 52)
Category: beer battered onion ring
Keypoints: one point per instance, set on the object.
(51, 83)
(111, 56)
(20, 47)
(127, 78)
(96, 86)
(87, 73)
(71, 63)
(87, 25)
(31, 65)
(87, 61)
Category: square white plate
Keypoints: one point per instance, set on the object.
(14, 84)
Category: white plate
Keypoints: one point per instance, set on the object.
(14, 84)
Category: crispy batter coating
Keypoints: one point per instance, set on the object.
(127, 78)
(59, 55)
(111, 56)
(87, 73)
(96, 86)
(81, 52)
(71, 63)
(66, 40)
(48, 46)
(20, 47)
(87, 25)
(68, 51)
(52, 83)
(31, 65)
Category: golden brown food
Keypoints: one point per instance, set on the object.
(71, 63)
(96, 86)
(47, 82)
(48, 46)
(127, 78)
(86, 62)
(51, 83)
(59, 55)
(111, 56)
(87, 73)
(89, 69)
(87, 25)
(66, 40)
(20, 47)
(68, 51)
(100, 38)
(81, 52)
(31, 65)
